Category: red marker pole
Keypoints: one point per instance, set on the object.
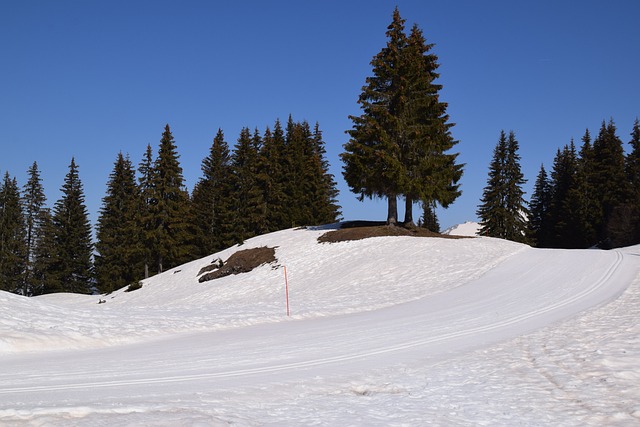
(286, 287)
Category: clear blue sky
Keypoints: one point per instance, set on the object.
(92, 78)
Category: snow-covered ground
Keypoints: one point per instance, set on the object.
(383, 331)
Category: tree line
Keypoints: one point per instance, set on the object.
(591, 198)
(149, 222)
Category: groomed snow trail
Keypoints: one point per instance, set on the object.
(528, 291)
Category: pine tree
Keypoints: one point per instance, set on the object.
(538, 230)
(399, 143)
(429, 218)
(119, 257)
(71, 266)
(372, 158)
(567, 203)
(633, 176)
(271, 179)
(172, 225)
(33, 202)
(591, 210)
(610, 181)
(146, 186)
(212, 200)
(13, 248)
(244, 166)
(323, 187)
(503, 211)
(43, 278)
(432, 172)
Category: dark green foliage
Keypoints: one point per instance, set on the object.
(539, 206)
(145, 218)
(609, 178)
(119, 258)
(271, 179)
(429, 218)
(13, 248)
(212, 200)
(171, 226)
(399, 143)
(503, 212)
(566, 211)
(33, 202)
(71, 268)
(247, 197)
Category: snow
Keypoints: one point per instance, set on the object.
(468, 228)
(384, 331)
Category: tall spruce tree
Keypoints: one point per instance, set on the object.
(609, 178)
(538, 230)
(244, 167)
(567, 203)
(33, 202)
(399, 143)
(427, 137)
(322, 185)
(271, 179)
(633, 176)
(372, 158)
(13, 248)
(43, 278)
(119, 246)
(503, 211)
(170, 208)
(212, 200)
(71, 266)
(146, 186)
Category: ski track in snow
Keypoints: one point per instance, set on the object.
(436, 332)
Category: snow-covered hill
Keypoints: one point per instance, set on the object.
(383, 331)
(468, 228)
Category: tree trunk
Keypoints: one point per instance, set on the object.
(392, 215)
(408, 211)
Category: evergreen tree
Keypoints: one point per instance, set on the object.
(372, 158)
(399, 144)
(429, 218)
(244, 166)
(567, 204)
(323, 187)
(119, 257)
(43, 278)
(610, 180)
(146, 186)
(432, 172)
(271, 179)
(633, 176)
(503, 210)
(170, 207)
(212, 200)
(590, 206)
(13, 249)
(539, 231)
(33, 202)
(71, 266)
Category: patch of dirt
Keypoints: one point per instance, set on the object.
(358, 230)
(242, 262)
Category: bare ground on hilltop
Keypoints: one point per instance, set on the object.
(357, 230)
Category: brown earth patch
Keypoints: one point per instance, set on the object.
(358, 230)
(242, 262)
